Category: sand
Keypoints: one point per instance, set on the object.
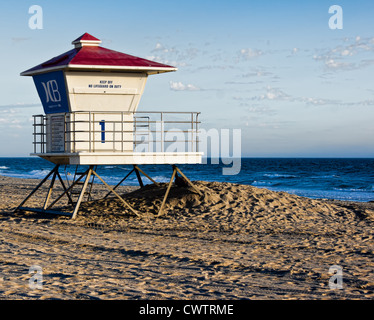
(234, 242)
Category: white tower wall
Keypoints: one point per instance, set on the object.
(99, 91)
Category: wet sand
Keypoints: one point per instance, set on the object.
(234, 242)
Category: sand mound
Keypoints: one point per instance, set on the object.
(226, 207)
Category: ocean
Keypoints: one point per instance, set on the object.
(340, 179)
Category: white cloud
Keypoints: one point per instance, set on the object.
(257, 73)
(178, 57)
(261, 110)
(338, 65)
(249, 53)
(295, 50)
(276, 94)
(179, 86)
(347, 55)
(19, 105)
(163, 60)
(158, 47)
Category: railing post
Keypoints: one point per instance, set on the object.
(65, 134)
(34, 135)
(192, 118)
(162, 133)
(197, 131)
(122, 133)
(89, 129)
(43, 133)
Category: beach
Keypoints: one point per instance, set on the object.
(233, 242)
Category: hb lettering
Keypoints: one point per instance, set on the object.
(51, 91)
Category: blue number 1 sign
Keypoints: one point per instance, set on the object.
(102, 124)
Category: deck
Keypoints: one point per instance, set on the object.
(107, 138)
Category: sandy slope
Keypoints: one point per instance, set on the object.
(234, 242)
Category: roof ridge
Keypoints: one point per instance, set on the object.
(85, 37)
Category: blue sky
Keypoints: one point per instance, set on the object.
(274, 69)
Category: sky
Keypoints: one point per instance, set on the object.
(273, 69)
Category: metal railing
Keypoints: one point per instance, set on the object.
(39, 133)
(94, 131)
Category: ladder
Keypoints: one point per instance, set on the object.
(76, 190)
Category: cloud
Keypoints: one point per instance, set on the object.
(243, 82)
(16, 116)
(347, 55)
(260, 110)
(295, 50)
(20, 105)
(172, 55)
(261, 73)
(276, 94)
(160, 48)
(257, 73)
(249, 54)
(163, 60)
(179, 86)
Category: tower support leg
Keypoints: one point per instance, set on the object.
(46, 208)
(175, 170)
(81, 195)
(53, 171)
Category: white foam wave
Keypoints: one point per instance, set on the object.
(277, 175)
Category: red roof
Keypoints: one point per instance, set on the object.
(88, 55)
(86, 36)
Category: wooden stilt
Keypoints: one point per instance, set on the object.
(118, 196)
(135, 166)
(36, 188)
(188, 180)
(81, 195)
(167, 191)
(137, 170)
(138, 176)
(50, 188)
(64, 187)
(119, 183)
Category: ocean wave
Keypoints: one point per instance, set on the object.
(159, 178)
(277, 175)
(325, 176)
(367, 189)
(260, 183)
(37, 174)
(34, 174)
(4, 167)
(124, 169)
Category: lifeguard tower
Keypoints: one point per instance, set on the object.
(90, 96)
